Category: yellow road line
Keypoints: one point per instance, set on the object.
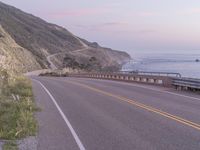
(146, 107)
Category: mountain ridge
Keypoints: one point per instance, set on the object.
(41, 39)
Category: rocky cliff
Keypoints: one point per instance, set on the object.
(26, 41)
(13, 57)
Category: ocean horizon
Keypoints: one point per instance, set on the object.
(185, 64)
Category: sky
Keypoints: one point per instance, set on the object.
(135, 26)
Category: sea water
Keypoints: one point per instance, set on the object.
(185, 64)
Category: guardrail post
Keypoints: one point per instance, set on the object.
(159, 80)
(151, 80)
(144, 80)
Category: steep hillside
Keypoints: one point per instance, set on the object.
(40, 39)
(109, 56)
(13, 57)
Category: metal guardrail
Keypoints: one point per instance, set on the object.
(186, 83)
(128, 77)
(156, 78)
(168, 74)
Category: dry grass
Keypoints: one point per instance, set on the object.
(17, 110)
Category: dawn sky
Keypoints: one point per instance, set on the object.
(134, 26)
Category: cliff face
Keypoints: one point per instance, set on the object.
(28, 40)
(14, 57)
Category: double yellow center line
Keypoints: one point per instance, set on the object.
(143, 106)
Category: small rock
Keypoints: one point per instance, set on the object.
(1, 35)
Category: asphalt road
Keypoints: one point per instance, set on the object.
(90, 114)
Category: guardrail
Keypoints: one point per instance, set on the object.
(154, 78)
(186, 83)
(148, 79)
(168, 74)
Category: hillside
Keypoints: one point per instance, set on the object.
(14, 57)
(35, 39)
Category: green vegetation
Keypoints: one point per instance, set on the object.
(92, 64)
(16, 108)
(70, 62)
(54, 74)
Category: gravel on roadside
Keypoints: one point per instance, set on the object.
(1, 145)
(29, 143)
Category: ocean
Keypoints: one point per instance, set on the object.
(185, 64)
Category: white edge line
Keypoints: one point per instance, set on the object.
(172, 93)
(78, 141)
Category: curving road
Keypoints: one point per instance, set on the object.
(53, 66)
(89, 114)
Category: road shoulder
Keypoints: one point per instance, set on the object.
(53, 133)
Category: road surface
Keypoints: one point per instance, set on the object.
(49, 58)
(89, 114)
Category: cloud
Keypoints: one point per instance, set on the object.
(147, 14)
(117, 27)
(195, 10)
(104, 26)
(192, 11)
(78, 13)
(115, 4)
(112, 24)
(146, 31)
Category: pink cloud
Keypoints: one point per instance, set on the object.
(196, 10)
(78, 13)
(107, 26)
(147, 31)
(192, 11)
(147, 14)
(111, 24)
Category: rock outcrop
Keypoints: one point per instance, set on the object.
(26, 41)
